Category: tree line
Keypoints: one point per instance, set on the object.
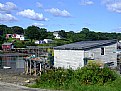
(37, 33)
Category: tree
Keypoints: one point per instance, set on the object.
(3, 29)
(32, 32)
(43, 33)
(9, 30)
(63, 33)
(50, 35)
(17, 30)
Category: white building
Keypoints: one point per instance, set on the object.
(39, 41)
(77, 54)
(48, 40)
(20, 37)
(57, 35)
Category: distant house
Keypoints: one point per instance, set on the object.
(57, 35)
(18, 36)
(77, 54)
(7, 46)
(48, 40)
(39, 42)
(8, 36)
(14, 35)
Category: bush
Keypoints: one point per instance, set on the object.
(77, 80)
(19, 44)
(30, 43)
(58, 78)
(94, 74)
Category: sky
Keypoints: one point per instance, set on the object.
(68, 15)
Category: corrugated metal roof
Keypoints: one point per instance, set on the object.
(85, 45)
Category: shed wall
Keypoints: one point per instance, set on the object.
(68, 58)
(109, 54)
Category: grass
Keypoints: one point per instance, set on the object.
(75, 86)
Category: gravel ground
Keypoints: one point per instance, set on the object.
(15, 77)
(13, 87)
(11, 80)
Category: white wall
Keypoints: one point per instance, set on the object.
(68, 58)
(36, 42)
(21, 38)
(109, 54)
(48, 40)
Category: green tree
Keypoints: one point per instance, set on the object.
(17, 30)
(50, 35)
(85, 30)
(32, 32)
(43, 33)
(63, 33)
(3, 29)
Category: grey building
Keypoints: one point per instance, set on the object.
(77, 54)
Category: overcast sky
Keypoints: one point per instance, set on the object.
(70, 15)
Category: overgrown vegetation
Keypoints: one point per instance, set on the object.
(88, 78)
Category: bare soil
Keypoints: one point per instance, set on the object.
(16, 77)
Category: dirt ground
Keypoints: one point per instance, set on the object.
(16, 77)
(11, 80)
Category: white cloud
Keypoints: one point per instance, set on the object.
(57, 12)
(113, 5)
(7, 17)
(31, 14)
(7, 7)
(39, 5)
(86, 2)
(38, 24)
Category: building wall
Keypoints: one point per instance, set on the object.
(37, 42)
(6, 47)
(48, 40)
(21, 38)
(68, 58)
(109, 54)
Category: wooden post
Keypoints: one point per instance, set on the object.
(35, 73)
(30, 67)
(27, 65)
(40, 70)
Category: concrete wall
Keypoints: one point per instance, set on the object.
(68, 58)
(109, 54)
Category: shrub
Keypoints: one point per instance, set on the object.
(19, 44)
(57, 78)
(30, 43)
(93, 74)
(79, 79)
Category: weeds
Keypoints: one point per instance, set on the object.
(88, 78)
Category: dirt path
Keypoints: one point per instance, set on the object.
(13, 87)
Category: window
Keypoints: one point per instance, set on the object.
(102, 51)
